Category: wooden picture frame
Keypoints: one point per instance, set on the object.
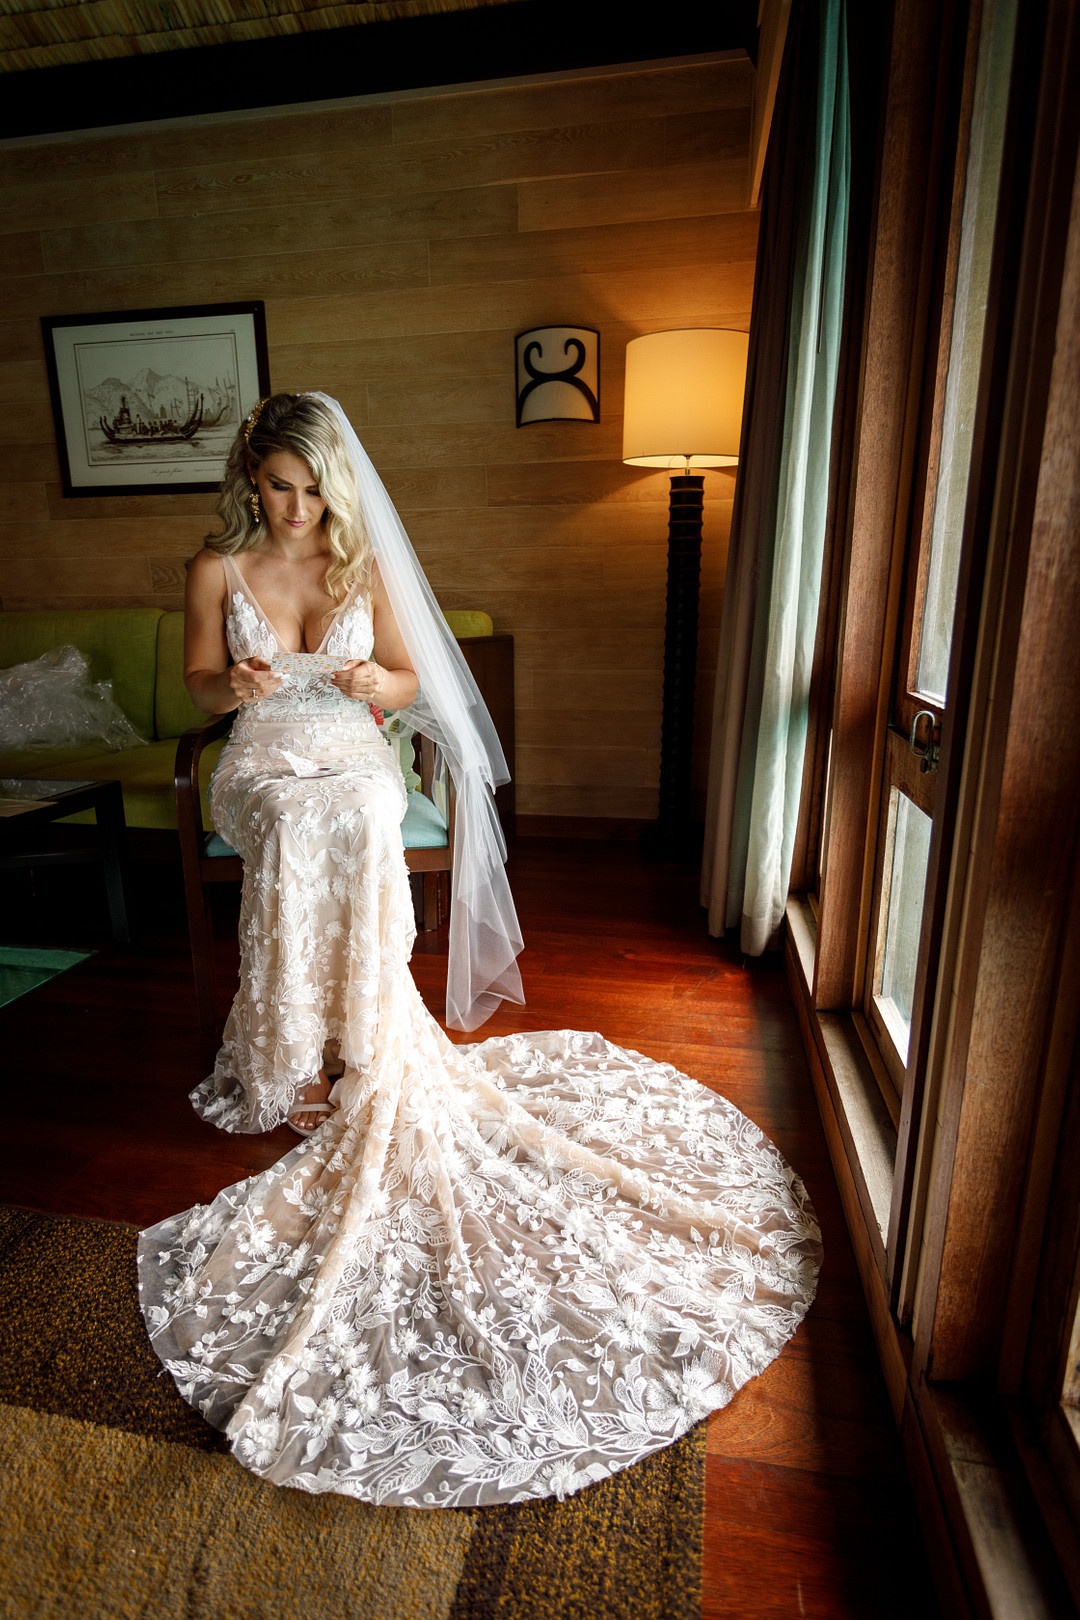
(152, 398)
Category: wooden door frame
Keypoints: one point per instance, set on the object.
(915, 149)
(973, 1209)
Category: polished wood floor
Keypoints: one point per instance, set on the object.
(808, 1512)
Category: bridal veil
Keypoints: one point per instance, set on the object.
(485, 938)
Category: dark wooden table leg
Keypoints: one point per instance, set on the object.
(112, 830)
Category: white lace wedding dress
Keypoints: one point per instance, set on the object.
(498, 1271)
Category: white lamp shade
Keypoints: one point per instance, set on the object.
(684, 398)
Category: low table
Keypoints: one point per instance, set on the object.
(29, 802)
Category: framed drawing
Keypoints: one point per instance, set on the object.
(152, 398)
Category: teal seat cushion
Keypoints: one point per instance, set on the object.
(424, 827)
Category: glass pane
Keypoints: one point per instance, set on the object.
(826, 794)
(965, 348)
(902, 906)
(1071, 1392)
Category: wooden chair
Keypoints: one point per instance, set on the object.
(429, 868)
(491, 659)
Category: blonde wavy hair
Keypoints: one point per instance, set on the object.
(304, 427)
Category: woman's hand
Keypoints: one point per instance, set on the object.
(252, 680)
(361, 678)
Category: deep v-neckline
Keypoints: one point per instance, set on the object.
(269, 623)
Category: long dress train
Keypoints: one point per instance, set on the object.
(498, 1271)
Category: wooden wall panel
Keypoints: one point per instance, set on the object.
(69, 157)
(648, 299)
(22, 381)
(616, 96)
(399, 246)
(35, 204)
(127, 538)
(675, 192)
(703, 240)
(20, 254)
(28, 462)
(21, 339)
(488, 210)
(26, 422)
(263, 138)
(339, 173)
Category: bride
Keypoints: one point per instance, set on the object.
(495, 1271)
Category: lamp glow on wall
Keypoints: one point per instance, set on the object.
(683, 411)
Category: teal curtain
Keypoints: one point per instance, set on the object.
(774, 572)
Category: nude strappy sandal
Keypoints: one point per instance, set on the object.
(326, 1107)
(310, 1108)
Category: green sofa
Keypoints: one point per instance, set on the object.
(140, 651)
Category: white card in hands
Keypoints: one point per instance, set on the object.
(306, 664)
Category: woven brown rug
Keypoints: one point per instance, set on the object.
(118, 1501)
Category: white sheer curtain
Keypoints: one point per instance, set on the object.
(778, 530)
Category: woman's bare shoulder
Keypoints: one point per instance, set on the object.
(206, 577)
(205, 564)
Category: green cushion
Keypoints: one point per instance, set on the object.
(174, 711)
(120, 645)
(40, 761)
(424, 826)
(147, 777)
(468, 622)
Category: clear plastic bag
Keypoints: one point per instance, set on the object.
(52, 703)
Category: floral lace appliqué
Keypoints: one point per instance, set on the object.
(498, 1271)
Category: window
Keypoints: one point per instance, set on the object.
(901, 952)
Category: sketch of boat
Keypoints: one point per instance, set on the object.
(161, 429)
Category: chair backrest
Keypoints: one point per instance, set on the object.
(468, 622)
(119, 644)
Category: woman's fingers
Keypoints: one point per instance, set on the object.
(252, 679)
(357, 679)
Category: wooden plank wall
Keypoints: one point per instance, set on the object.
(399, 245)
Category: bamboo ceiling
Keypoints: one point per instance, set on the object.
(50, 33)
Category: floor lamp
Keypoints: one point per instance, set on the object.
(683, 409)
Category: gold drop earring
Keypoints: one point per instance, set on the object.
(253, 501)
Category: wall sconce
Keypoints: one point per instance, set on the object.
(683, 409)
(558, 375)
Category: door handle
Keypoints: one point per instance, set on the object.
(925, 741)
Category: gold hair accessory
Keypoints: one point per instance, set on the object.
(249, 428)
(249, 425)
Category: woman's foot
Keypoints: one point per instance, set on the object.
(305, 1120)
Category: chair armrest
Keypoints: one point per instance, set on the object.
(424, 756)
(186, 781)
